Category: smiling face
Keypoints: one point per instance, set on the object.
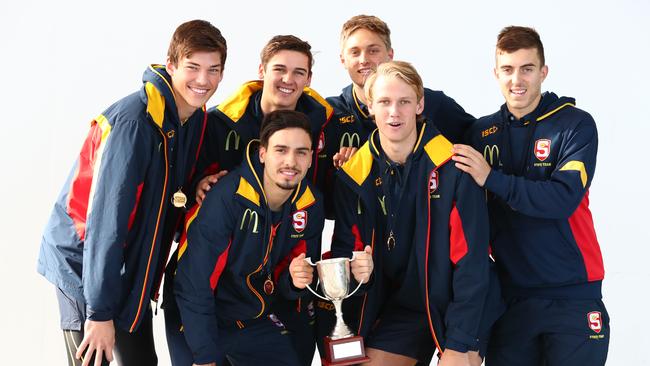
(285, 76)
(361, 53)
(194, 81)
(520, 75)
(395, 106)
(286, 159)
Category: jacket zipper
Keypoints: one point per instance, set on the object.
(269, 246)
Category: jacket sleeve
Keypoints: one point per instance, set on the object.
(201, 261)
(559, 196)
(469, 236)
(451, 119)
(117, 165)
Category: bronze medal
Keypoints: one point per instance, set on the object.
(179, 199)
(269, 287)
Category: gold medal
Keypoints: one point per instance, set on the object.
(179, 199)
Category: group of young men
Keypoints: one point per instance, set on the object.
(473, 238)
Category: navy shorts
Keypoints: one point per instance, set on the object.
(404, 332)
(550, 332)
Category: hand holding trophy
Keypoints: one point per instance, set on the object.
(342, 347)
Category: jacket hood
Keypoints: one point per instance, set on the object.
(549, 104)
(157, 93)
(430, 143)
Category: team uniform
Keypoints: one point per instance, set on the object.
(428, 226)
(543, 236)
(231, 126)
(350, 127)
(234, 266)
(111, 229)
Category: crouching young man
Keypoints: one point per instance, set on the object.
(427, 224)
(246, 246)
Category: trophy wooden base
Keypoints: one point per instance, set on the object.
(344, 351)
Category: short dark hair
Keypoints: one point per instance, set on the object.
(289, 43)
(196, 36)
(515, 38)
(281, 119)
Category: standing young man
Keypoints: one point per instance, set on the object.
(427, 224)
(111, 229)
(246, 246)
(285, 74)
(536, 157)
(365, 44)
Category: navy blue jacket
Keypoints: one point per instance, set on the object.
(231, 249)
(542, 236)
(450, 237)
(112, 226)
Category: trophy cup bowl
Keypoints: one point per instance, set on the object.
(342, 347)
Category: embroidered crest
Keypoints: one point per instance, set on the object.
(595, 321)
(299, 220)
(542, 149)
(433, 181)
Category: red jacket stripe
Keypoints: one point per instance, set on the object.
(218, 268)
(135, 207)
(81, 184)
(457, 242)
(582, 226)
(358, 244)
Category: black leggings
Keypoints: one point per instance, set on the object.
(131, 349)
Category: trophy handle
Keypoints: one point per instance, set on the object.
(354, 256)
(308, 260)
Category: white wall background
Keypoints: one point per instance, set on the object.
(62, 63)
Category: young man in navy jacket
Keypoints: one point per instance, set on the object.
(536, 157)
(109, 236)
(365, 43)
(285, 72)
(426, 222)
(246, 246)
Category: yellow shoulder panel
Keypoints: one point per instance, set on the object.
(235, 105)
(577, 166)
(359, 165)
(439, 150)
(306, 200)
(247, 191)
(155, 104)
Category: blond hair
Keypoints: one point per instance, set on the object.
(395, 69)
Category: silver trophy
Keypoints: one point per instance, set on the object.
(342, 346)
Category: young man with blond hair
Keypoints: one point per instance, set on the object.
(426, 222)
(109, 235)
(536, 157)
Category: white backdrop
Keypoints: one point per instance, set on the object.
(62, 63)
